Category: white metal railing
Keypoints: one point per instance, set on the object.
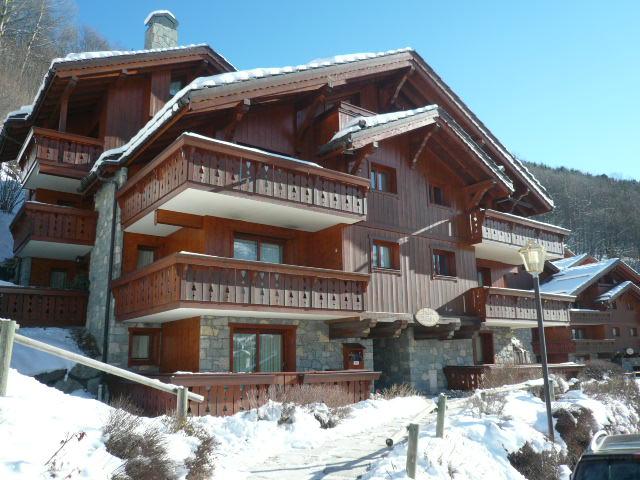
(8, 336)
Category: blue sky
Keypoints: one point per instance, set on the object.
(556, 81)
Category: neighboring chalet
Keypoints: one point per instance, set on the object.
(346, 215)
(605, 316)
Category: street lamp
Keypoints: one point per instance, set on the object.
(533, 257)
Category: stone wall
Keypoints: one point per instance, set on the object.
(419, 362)
(314, 350)
(507, 341)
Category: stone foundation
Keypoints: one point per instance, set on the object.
(314, 350)
(512, 346)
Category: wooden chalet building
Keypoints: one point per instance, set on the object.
(349, 214)
(604, 318)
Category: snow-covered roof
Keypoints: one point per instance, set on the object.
(166, 13)
(219, 81)
(569, 261)
(374, 123)
(573, 280)
(618, 290)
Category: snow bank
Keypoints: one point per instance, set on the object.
(30, 361)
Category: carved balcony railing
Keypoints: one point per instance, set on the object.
(589, 317)
(43, 307)
(225, 176)
(514, 231)
(505, 305)
(182, 282)
(43, 222)
(58, 153)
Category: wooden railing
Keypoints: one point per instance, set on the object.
(555, 347)
(193, 280)
(208, 164)
(589, 345)
(589, 317)
(511, 304)
(43, 307)
(515, 231)
(53, 223)
(230, 393)
(65, 153)
(470, 377)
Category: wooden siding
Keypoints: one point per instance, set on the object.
(52, 223)
(127, 110)
(189, 280)
(41, 271)
(230, 393)
(58, 153)
(190, 162)
(514, 231)
(509, 304)
(180, 350)
(43, 307)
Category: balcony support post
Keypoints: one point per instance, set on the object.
(543, 354)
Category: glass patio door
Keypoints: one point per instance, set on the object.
(257, 352)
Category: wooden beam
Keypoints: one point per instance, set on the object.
(518, 199)
(236, 117)
(388, 329)
(442, 331)
(318, 100)
(423, 144)
(178, 219)
(360, 157)
(396, 92)
(64, 103)
(353, 327)
(474, 193)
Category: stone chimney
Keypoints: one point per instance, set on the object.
(162, 30)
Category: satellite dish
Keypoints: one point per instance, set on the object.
(629, 351)
(427, 317)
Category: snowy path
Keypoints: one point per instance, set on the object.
(339, 457)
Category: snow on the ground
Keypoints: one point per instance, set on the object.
(476, 446)
(247, 439)
(30, 361)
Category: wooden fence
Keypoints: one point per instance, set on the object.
(230, 393)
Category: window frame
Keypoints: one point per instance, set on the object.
(394, 255)
(445, 195)
(392, 177)
(67, 277)
(145, 248)
(288, 333)
(615, 332)
(155, 345)
(259, 239)
(452, 264)
(633, 331)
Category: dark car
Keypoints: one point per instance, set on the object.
(610, 457)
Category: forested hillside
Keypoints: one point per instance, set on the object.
(602, 212)
(32, 33)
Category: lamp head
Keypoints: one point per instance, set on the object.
(533, 256)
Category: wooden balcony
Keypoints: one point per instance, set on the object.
(498, 236)
(591, 345)
(56, 160)
(52, 231)
(507, 307)
(470, 377)
(231, 393)
(43, 307)
(201, 176)
(589, 317)
(185, 285)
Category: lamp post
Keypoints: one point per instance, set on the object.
(533, 257)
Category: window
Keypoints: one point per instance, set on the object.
(615, 331)
(444, 263)
(58, 278)
(255, 248)
(261, 348)
(633, 331)
(144, 346)
(146, 256)
(437, 196)
(577, 333)
(383, 179)
(385, 255)
(484, 277)
(174, 87)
